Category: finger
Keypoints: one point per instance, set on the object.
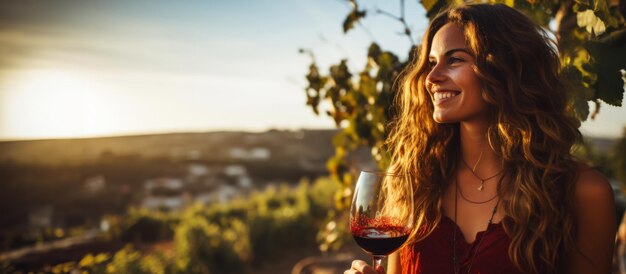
(357, 265)
(362, 267)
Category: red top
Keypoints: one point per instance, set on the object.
(433, 255)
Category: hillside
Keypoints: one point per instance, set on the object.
(59, 176)
(310, 144)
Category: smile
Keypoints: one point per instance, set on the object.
(443, 96)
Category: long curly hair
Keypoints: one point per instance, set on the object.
(533, 131)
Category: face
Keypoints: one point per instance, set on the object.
(454, 88)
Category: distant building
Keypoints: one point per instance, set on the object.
(220, 194)
(41, 217)
(95, 184)
(244, 182)
(225, 193)
(197, 170)
(168, 183)
(260, 153)
(256, 153)
(202, 184)
(168, 203)
(205, 198)
(235, 170)
(237, 153)
(165, 193)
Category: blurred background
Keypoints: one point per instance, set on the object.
(178, 136)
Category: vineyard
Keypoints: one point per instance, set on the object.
(235, 237)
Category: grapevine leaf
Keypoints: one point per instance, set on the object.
(587, 19)
(353, 17)
(430, 4)
(579, 93)
(434, 7)
(609, 61)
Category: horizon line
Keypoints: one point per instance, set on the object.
(218, 130)
(157, 132)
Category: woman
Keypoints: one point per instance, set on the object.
(485, 134)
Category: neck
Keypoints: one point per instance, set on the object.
(475, 148)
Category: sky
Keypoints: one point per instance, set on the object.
(71, 68)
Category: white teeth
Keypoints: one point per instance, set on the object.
(444, 95)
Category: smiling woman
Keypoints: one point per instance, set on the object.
(53, 104)
(485, 136)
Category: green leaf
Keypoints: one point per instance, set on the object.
(367, 85)
(587, 19)
(540, 11)
(579, 93)
(354, 16)
(578, 7)
(430, 4)
(615, 18)
(373, 51)
(341, 75)
(581, 109)
(622, 10)
(315, 88)
(609, 60)
(434, 7)
(582, 61)
(601, 5)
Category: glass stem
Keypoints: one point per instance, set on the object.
(377, 260)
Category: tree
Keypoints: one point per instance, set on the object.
(591, 39)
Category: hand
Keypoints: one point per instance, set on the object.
(361, 267)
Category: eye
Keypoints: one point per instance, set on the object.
(431, 63)
(453, 60)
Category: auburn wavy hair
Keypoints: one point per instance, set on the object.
(533, 132)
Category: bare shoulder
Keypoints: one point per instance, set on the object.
(594, 199)
(595, 215)
(592, 188)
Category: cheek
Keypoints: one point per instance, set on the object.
(471, 87)
(468, 81)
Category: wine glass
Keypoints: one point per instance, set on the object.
(381, 214)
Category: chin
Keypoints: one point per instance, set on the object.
(441, 119)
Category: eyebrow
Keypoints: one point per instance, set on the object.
(452, 51)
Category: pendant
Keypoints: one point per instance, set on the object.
(482, 185)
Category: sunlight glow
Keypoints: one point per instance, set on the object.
(53, 103)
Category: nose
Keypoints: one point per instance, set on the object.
(435, 76)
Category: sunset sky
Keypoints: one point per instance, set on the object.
(103, 68)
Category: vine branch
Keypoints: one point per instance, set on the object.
(401, 19)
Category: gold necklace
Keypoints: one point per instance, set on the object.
(473, 170)
(454, 258)
(471, 201)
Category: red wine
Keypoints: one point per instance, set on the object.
(380, 241)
